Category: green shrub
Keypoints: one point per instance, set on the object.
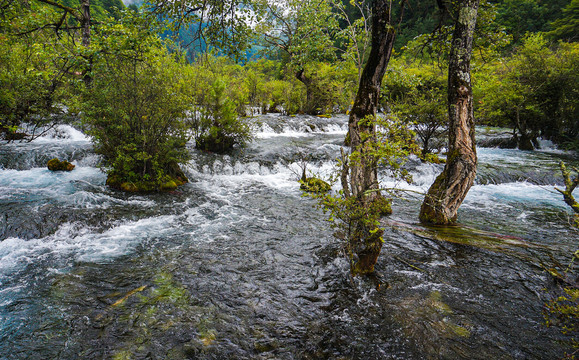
(33, 71)
(134, 108)
(219, 128)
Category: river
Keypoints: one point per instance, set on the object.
(237, 264)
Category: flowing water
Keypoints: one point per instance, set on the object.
(237, 264)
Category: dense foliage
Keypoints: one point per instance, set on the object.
(135, 107)
(218, 127)
(535, 92)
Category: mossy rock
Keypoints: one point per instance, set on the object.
(314, 185)
(167, 183)
(177, 175)
(57, 165)
(435, 159)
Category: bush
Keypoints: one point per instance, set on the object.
(134, 109)
(535, 92)
(219, 128)
(418, 96)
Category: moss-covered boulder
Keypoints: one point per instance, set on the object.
(57, 165)
(314, 185)
(434, 158)
(166, 183)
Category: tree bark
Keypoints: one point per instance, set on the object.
(310, 102)
(365, 242)
(444, 197)
(85, 22)
(363, 176)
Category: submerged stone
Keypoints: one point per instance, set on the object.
(431, 324)
(57, 165)
(14, 136)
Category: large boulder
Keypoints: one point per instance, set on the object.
(57, 165)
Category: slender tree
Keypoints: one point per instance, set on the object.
(302, 30)
(444, 197)
(360, 177)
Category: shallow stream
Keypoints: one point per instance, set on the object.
(237, 264)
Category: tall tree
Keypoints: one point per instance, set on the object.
(360, 176)
(302, 31)
(444, 197)
(355, 31)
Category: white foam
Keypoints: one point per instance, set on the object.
(510, 195)
(74, 242)
(84, 187)
(42, 178)
(267, 132)
(63, 133)
(334, 129)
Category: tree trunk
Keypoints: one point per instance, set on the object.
(366, 243)
(444, 197)
(311, 106)
(85, 24)
(524, 141)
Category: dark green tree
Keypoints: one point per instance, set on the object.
(567, 26)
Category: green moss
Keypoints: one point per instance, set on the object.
(129, 187)
(458, 330)
(168, 186)
(262, 346)
(382, 206)
(314, 185)
(57, 165)
(347, 139)
(122, 355)
(166, 183)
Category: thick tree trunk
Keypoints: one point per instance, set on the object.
(363, 176)
(444, 197)
(365, 243)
